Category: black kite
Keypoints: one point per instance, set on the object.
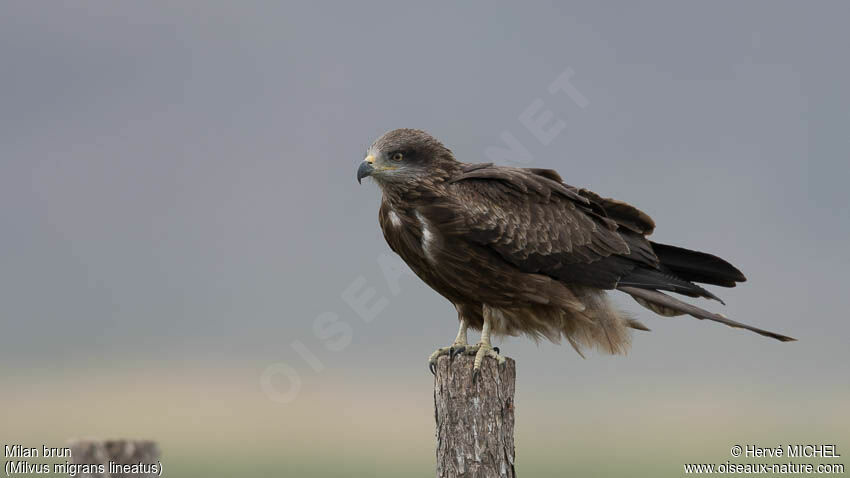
(516, 250)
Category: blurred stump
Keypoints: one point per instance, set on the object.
(475, 421)
(141, 454)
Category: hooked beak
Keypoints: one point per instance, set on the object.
(366, 168)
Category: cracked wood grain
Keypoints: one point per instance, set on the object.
(475, 421)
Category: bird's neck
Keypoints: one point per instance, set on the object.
(414, 194)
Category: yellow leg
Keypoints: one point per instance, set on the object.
(484, 348)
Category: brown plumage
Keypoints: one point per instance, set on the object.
(530, 253)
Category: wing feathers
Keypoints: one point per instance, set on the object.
(653, 279)
(625, 214)
(664, 300)
(540, 181)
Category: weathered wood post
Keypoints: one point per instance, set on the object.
(475, 421)
(118, 452)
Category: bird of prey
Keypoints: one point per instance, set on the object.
(518, 251)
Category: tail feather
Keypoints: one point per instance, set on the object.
(697, 266)
(663, 300)
(654, 279)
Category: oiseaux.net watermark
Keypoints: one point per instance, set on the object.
(793, 459)
(538, 125)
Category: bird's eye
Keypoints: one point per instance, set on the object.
(397, 156)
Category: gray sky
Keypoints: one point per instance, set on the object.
(177, 182)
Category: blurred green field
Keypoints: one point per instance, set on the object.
(214, 422)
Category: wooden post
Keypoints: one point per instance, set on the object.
(475, 421)
(120, 452)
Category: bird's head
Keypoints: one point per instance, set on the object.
(406, 156)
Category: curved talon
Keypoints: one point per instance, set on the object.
(485, 350)
(452, 351)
